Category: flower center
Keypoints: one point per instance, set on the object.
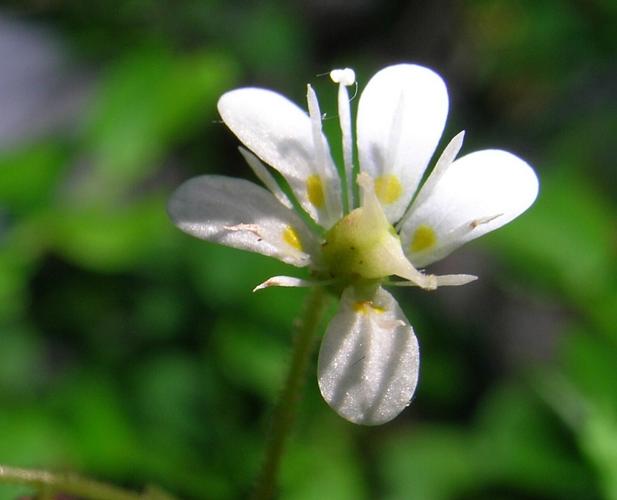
(364, 245)
(355, 247)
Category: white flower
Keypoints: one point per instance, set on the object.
(367, 224)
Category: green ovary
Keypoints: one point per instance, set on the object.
(359, 246)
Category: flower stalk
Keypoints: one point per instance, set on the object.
(49, 484)
(285, 410)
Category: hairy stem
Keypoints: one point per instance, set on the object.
(285, 410)
(49, 484)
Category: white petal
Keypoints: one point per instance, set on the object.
(369, 359)
(401, 115)
(280, 133)
(240, 214)
(480, 192)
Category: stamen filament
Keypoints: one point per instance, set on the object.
(344, 78)
(315, 115)
(262, 173)
(445, 160)
(321, 155)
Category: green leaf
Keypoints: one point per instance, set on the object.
(28, 177)
(148, 101)
(525, 446)
(111, 239)
(583, 394)
(322, 463)
(432, 463)
(251, 356)
(565, 242)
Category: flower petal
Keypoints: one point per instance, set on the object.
(369, 359)
(478, 193)
(240, 214)
(281, 134)
(401, 115)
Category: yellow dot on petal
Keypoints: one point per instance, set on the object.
(366, 307)
(290, 236)
(314, 191)
(423, 238)
(388, 188)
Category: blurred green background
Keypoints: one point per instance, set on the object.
(135, 354)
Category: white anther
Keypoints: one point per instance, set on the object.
(345, 76)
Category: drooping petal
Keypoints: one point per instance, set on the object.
(281, 134)
(369, 359)
(240, 214)
(478, 193)
(401, 115)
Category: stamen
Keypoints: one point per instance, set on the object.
(445, 160)
(291, 282)
(318, 142)
(262, 173)
(455, 279)
(441, 280)
(284, 281)
(345, 77)
(315, 115)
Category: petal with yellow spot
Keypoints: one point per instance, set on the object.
(366, 307)
(424, 237)
(388, 188)
(290, 236)
(315, 191)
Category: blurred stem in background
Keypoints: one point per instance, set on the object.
(49, 485)
(284, 413)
